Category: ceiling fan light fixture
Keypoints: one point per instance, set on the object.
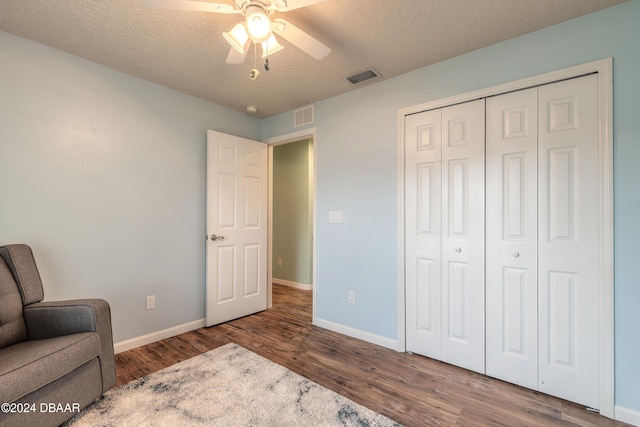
(270, 46)
(258, 24)
(237, 37)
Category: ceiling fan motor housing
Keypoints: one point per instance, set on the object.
(266, 6)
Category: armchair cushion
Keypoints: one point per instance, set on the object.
(29, 365)
(12, 326)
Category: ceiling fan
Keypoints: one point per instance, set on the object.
(258, 27)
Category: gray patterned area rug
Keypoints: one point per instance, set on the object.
(227, 386)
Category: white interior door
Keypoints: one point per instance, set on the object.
(512, 238)
(236, 227)
(569, 241)
(423, 234)
(463, 289)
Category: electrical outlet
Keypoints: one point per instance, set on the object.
(352, 297)
(279, 262)
(151, 302)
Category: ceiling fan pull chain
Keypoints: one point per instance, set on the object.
(254, 73)
(265, 48)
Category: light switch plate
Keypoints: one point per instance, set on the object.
(335, 216)
(151, 302)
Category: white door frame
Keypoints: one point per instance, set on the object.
(309, 133)
(604, 68)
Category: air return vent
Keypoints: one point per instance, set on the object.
(303, 116)
(364, 76)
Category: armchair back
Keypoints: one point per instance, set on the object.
(23, 267)
(12, 327)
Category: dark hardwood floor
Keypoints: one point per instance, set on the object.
(411, 389)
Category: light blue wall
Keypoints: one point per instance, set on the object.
(358, 174)
(103, 174)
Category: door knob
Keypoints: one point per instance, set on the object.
(216, 238)
(515, 254)
(458, 250)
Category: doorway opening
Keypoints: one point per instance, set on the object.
(291, 213)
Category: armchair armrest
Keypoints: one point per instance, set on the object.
(56, 318)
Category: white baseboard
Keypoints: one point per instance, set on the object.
(628, 416)
(291, 284)
(157, 336)
(357, 333)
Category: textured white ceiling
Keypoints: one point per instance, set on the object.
(185, 50)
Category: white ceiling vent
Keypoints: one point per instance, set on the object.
(303, 116)
(364, 76)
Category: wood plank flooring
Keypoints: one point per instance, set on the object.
(411, 389)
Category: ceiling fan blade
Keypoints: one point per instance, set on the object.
(235, 57)
(286, 5)
(300, 39)
(195, 5)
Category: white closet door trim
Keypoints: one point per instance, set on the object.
(604, 68)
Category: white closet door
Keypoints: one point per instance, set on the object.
(423, 236)
(512, 238)
(568, 240)
(463, 199)
(542, 237)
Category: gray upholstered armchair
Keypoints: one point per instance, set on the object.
(51, 353)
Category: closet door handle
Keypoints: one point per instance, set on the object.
(515, 254)
(458, 250)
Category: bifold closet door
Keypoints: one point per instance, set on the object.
(463, 289)
(568, 240)
(444, 236)
(542, 239)
(512, 238)
(423, 233)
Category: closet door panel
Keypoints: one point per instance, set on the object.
(511, 238)
(568, 240)
(463, 134)
(423, 235)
